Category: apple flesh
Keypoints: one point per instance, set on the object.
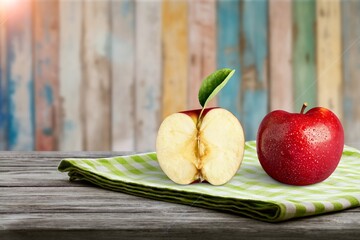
(300, 149)
(211, 150)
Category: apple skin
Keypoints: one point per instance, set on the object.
(300, 148)
(194, 113)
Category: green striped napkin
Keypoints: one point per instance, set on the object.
(250, 193)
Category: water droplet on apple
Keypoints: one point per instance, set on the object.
(282, 153)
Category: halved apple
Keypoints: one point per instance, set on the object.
(210, 148)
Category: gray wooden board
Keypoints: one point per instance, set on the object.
(38, 202)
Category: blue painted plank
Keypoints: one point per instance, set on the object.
(228, 52)
(3, 88)
(20, 78)
(254, 54)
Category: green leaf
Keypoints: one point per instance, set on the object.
(212, 84)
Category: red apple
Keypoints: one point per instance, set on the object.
(300, 148)
(210, 148)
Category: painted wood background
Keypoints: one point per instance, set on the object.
(102, 75)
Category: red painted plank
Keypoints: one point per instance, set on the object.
(280, 47)
(202, 47)
(46, 46)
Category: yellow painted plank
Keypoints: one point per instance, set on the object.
(329, 55)
(175, 56)
(280, 16)
(202, 47)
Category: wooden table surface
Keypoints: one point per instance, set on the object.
(38, 202)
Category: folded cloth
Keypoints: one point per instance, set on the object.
(250, 193)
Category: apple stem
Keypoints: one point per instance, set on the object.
(199, 119)
(303, 107)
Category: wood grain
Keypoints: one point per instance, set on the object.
(38, 202)
(228, 53)
(329, 55)
(96, 94)
(148, 73)
(168, 224)
(46, 74)
(280, 55)
(304, 54)
(254, 61)
(351, 71)
(175, 56)
(20, 80)
(123, 75)
(3, 81)
(202, 47)
(70, 76)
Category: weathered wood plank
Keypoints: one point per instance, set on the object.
(280, 55)
(20, 77)
(54, 155)
(166, 224)
(148, 73)
(96, 96)
(63, 200)
(228, 53)
(254, 60)
(50, 209)
(46, 74)
(202, 47)
(351, 64)
(175, 56)
(70, 75)
(304, 53)
(329, 55)
(3, 85)
(123, 75)
(33, 178)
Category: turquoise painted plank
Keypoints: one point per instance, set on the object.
(70, 76)
(123, 75)
(304, 69)
(3, 87)
(20, 78)
(228, 52)
(351, 71)
(254, 55)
